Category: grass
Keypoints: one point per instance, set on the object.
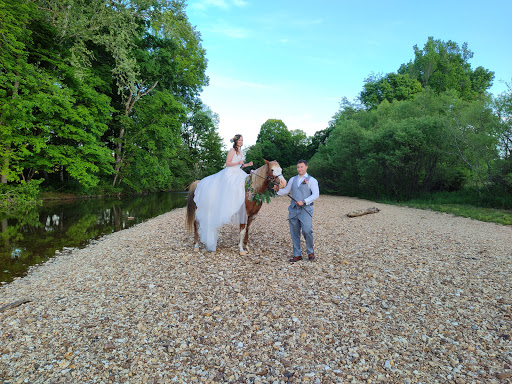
(499, 216)
(478, 205)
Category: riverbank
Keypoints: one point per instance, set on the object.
(61, 196)
(401, 295)
(32, 237)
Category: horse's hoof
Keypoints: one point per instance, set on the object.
(243, 253)
(196, 249)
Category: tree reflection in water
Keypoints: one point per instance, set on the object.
(36, 235)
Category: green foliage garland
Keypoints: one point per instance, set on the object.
(257, 196)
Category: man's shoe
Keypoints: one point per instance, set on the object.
(311, 257)
(295, 259)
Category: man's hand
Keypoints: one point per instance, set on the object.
(300, 203)
(276, 188)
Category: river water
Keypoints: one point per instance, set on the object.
(56, 226)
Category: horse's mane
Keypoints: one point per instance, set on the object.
(257, 182)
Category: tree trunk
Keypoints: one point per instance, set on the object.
(5, 165)
(30, 174)
(118, 156)
(128, 108)
(5, 169)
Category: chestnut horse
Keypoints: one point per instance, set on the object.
(260, 179)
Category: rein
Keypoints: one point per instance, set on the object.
(271, 179)
(301, 208)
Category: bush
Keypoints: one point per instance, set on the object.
(16, 198)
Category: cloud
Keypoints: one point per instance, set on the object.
(216, 3)
(224, 4)
(304, 23)
(240, 3)
(231, 83)
(230, 31)
(305, 122)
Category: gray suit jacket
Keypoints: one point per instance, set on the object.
(300, 192)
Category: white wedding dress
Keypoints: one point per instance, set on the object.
(220, 199)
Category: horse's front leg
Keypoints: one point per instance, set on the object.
(243, 231)
(246, 237)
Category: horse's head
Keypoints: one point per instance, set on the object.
(275, 173)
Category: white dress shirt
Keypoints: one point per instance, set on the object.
(312, 184)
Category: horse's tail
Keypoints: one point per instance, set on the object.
(191, 205)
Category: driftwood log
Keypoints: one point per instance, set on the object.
(362, 212)
(14, 305)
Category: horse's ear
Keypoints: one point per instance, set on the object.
(266, 161)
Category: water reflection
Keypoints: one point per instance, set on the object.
(35, 236)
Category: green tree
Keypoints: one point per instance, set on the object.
(168, 55)
(474, 134)
(14, 72)
(201, 138)
(346, 111)
(152, 142)
(408, 147)
(52, 118)
(402, 158)
(503, 169)
(335, 163)
(274, 131)
(276, 142)
(390, 87)
(444, 65)
(503, 108)
(146, 47)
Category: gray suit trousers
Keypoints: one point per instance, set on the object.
(300, 220)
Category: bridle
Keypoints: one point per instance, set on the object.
(270, 178)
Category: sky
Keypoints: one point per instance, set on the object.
(295, 60)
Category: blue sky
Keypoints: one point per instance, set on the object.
(295, 60)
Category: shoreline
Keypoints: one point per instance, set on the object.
(55, 197)
(402, 294)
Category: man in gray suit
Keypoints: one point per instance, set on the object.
(304, 189)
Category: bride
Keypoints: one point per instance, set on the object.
(220, 198)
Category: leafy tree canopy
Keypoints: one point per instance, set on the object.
(274, 131)
(276, 142)
(440, 65)
(400, 149)
(444, 65)
(390, 87)
(96, 90)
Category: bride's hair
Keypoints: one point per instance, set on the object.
(235, 141)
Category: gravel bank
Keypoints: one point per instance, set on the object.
(399, 296)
